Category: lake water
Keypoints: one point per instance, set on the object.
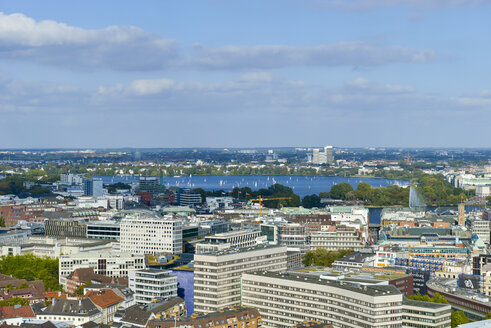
(301, 185)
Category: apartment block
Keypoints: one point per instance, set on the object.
(217, 275)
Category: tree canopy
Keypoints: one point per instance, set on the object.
(30, 267)
(323, 257)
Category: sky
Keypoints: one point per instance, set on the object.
(252, 73)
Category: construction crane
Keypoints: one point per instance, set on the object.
(260, 200)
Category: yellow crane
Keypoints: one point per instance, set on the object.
(260, 200)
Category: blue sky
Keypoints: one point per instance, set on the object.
(224, 73)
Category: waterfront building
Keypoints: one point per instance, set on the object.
(217, 274)
(285, 300)
(148, 184)
(150, 284)
(148, 233)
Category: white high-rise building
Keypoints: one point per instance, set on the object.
(148, 233)
(217, 275)
(152, 284)
(325, 157)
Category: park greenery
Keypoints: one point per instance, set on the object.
(30, 267)
(457, 317)
(323, 257)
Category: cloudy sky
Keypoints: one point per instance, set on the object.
(226, 73)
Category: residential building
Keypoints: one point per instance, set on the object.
(82, 276)
(236, 317)
(425, 314)
(151, 284)
(15, 315)
(106, 301)
(75, 312)
(141, 315)
(285, 300)
(147, 233)
(71, 179)
(217, 275)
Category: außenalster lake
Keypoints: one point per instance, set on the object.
(301, 185)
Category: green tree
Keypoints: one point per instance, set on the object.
(458, 318)
(30, 267)
(311, 201)
(340, 191)
(14, 301)
(2, 222)
(323, 257)
(487, 316)
(80, 289)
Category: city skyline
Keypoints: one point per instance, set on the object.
(245, 74)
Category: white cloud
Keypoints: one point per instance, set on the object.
(275, 56)
(54, 43)
(131, 48)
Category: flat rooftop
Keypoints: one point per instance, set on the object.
(376, 290)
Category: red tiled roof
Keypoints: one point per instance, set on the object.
(13, 312)
(104, 297)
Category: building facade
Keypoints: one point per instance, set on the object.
(143, 233)
(217, 275)
(151, 284)
(285, 300)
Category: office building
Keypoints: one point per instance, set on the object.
(227, 240)
(147, 233)
(481, 229)
(150, 284)
(285, 233)
(107, 264)
(104, 229)
(148, 184)
(62, 228)
(338, 237)
(285, 300)
(186, 198)
(425, 314)
(217, 275)
(93, 187)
